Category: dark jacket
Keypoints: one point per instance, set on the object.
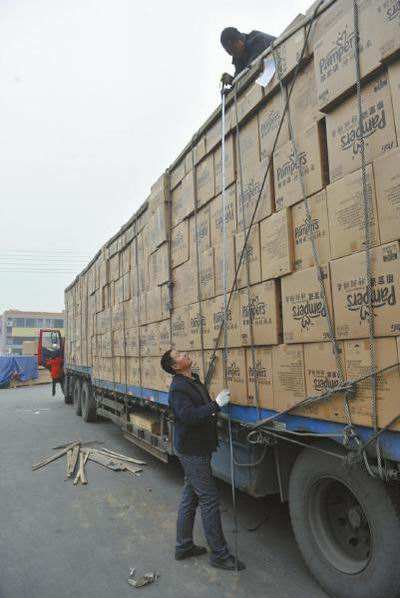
(256, 42)
(195, 416)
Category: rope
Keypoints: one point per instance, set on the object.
(224, 324)
(250, 311)
(366, 208)
(238, 266)
(196, 209)
(331, 330)
(348, 387)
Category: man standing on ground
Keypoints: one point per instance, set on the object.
(244, 48)
(195, 439)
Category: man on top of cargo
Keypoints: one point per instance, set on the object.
(244, 48)
(195, 439)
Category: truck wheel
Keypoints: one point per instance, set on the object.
(346, 525)
(77, 396)
(88, 403)
(67, 388)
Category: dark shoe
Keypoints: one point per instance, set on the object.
(229, 564)
(186, 554)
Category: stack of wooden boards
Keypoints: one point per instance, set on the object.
(158, 282)
(78, 453)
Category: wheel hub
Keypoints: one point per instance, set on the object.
(340, 526)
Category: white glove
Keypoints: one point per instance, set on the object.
(223, 397)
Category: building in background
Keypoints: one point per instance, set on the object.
(19, 326)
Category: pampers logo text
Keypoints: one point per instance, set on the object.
(369, 125)
(305, 312)
(380, 297)
(344, 46)
(289, 167)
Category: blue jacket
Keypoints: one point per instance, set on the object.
(195, 416)
(256, 42)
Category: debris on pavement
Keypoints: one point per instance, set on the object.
(144, 580)
(78, 453)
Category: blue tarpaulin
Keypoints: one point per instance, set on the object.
(23, 367)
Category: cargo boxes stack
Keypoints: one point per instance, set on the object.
(159, 282)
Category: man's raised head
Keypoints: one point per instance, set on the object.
(233, 41)
(175, 362)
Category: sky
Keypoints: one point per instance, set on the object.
(97, 99)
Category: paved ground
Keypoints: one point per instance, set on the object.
(59, 541)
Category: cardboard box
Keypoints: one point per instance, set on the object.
(358, 364)
(236, 376)
(118, 343)
(248, 194)
(125, 260)
(276, 245)
(326, 20)
(229, 250)
(264, 308)
(132, 342)
(289, 52)
(180, 329)
(114, 267)
(217, 215)
(334, 56)
(205, 180)
(152, 375)
(177, 174)
(250, 268)
(230, 173)
(182, 199)
(349, 293)
(197, 363)
(117, 317)
(153, 305)
(133, 371)
(259, 378)
(206, 274)
(387, 187)
(269, 118)
(342, 129)
(148, 421)
(312, 159)
(200, 149)
(304, 228)
(127, 286)
(303, 307)
(288, 378)
(249, 145)
(180, 244)
(199, 324)
(131, 315)
(322, 374)
(213, 315)
(158, 266)
(345, 200)
(184, 280)
(150, 339)
(203, 231)
(164, 336)
(118, 291)
(248, 100)
(394, 80)
(166, 300)
(304, 112)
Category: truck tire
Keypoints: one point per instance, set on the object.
(88, 403)
(67, 389)
(346, 525)
(77, 396)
